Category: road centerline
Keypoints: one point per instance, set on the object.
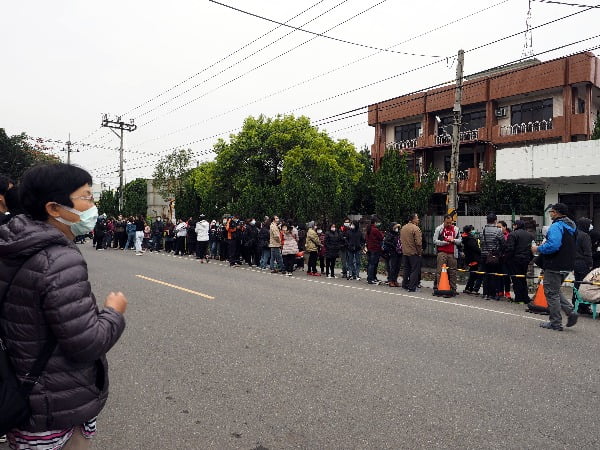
(174, 286)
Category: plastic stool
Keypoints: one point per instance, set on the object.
(580, 301)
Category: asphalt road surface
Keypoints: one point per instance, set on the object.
(215, 357)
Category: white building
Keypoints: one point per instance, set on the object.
(569, 173)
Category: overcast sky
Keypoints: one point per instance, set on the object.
(190, 71)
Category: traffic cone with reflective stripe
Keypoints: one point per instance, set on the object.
(443, 287)
(539, 304)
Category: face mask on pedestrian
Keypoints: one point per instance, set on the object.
(591, 227)
(87, 220)
(346, 224)
(319, 231)
(253, 222)
(332, 228)
(352, 227)
(284, 228)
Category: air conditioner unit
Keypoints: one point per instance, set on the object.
(501, 112)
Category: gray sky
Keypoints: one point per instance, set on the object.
(67, 62)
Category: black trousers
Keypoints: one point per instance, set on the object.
(201, 247)
(312, 262)
(330, 265)
(519, 283)
(288, 262)
(393, 267)
(232, 250)
(412, 271)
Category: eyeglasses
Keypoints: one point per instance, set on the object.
(89, 198)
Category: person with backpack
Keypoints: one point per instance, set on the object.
(157, 233)
(355, 242)
(491, 241)
(583, 257)
(49, 316)
(333, 242)
(518, 255)
(391, 245)
(558, 260)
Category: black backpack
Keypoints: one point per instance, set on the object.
(14, 395)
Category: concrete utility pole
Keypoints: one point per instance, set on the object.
(118, 124)
(69, 150)
(457, 112)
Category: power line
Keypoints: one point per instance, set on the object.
(260, 65)
(233, 65)
(272, 94)
(320, 34)
(578, 5)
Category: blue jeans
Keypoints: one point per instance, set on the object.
(276, 258)
(372, 267)
(353, 263)
(130, 240)
(265, 256)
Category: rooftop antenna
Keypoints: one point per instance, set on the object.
(528, 47)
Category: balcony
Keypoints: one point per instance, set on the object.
(406, 144)
(464, 136)
(469, 181)
(522, 132)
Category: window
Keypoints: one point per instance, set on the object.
(407, 132)
(470, 121)
(531, 112)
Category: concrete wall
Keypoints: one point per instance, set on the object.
(156, 204)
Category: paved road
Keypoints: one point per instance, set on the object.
(274, 362)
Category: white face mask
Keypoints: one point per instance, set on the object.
(253, 222)
(87, 220)
(591, 227)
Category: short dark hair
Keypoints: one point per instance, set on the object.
(4, 183)
(491, 218)
(448, 216)
(50, 183)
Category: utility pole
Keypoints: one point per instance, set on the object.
(457, 112)
(118, 124)
(69, 150)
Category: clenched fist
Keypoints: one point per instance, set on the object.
(116, 301)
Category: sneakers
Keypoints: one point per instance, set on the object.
(316, 274)
(2, 439)
(373, 282)
(572, 319)
(289, 274)
(551, 326)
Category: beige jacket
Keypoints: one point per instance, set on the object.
(412, 240)
(274, 236)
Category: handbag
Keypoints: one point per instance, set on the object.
(14, 395)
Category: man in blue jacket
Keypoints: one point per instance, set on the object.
(558, 253)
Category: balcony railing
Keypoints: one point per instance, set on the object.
(529, 127)
(405, 144)
(469, 135)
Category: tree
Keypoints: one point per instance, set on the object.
(396, 193)
(248, 171)
(108, 203)
(202, 182)
(168, 176)
(503, 197)
(318, 182)
(364, 201)
(135, 198)
(17, 155)
(596, 131)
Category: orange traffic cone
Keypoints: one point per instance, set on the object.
(539, 304)
(443, 287)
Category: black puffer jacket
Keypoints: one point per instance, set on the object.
(51, 295)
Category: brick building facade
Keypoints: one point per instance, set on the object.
(531, 102)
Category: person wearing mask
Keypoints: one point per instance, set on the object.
(233, 229)
(289, 242)
(140, 224)
(344, 248)
(312, 247)
(518, 256)
(202, 238)
(446, 239)
(411, 238)
(333, 243)
(169, 234)
(558, 253)
(374, 242)
(157, 233)
(504, 282)
(180, 237)
(50, 307)
(583, 256)
(263, 244)
(322, 250)
(213, 239)
(301, 228)
(391, 244)
(130, 230)
(223, 250)
(354, 244)
(491, 241)
(470, 245)
(120, 232)
(275, 246)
